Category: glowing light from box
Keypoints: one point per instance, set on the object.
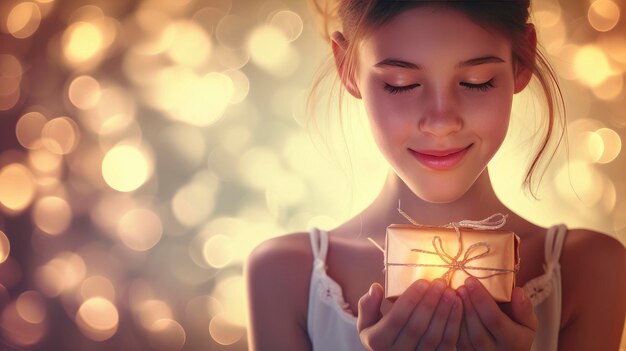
(612, 144)
(17, 187)
(125, 168)
(592, 66)
(167, 334)
(140, 229)
(603, 15)
(5, 247)
(84, 92)
(31, 307)
(97, 318)
(60, 135)
(23, 20)
(52, 215)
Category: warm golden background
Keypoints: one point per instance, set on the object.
(147, 146)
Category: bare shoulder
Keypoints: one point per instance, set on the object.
(593, 268)
(278, 274)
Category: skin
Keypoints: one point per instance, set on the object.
(440, 112)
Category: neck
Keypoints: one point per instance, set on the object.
(479, 202)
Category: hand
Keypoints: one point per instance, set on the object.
(425, 317)
(486, 327)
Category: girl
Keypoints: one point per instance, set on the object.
(437, 80)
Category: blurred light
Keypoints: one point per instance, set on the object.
(611, 88)
(603, 15)
(84, 92)
(52, 215)
(17, 330)
(31, 307)
(199, 311)
(60, 135)
(217, 250)
(269, 47)
(82, 41)
(609, 198)
(186, 97)
(231, 31)
(289, 23)
(23, 20)
(594, 147)
(208, 18)
(97, 319)
(232, 58)
(97, 286)
(10, 273)
(5, 247)
(241, 85)
(224, 332)
(65, 271)
(10, 74)
(185, 142)
(151, 311)
(612, 145)
(592, 66)
(140, 229)
(167, 335)
(44, 161)
(258, 166)
(189, 44)
(125, 168)
(7, 102)
(230, 291)
(194, 202)
(113, 112)
(615, 46)
(579, 183)
(28, 129)
(546, 14)
(17, 187)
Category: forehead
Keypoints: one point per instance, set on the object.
(427, 35)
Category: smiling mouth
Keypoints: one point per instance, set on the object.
(440, 159)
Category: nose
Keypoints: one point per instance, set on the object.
(440, 116)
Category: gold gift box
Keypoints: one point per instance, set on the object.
(414, 253)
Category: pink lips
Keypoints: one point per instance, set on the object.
(440, 159)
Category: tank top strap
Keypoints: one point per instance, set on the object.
(554, 243)
(319, 243)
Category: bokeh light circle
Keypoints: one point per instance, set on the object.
(125, 168)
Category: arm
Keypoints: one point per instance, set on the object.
(277, 276)
(593, 268)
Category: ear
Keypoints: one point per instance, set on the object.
(340, 45)
(523, 74)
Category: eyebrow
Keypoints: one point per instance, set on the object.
(410, 65)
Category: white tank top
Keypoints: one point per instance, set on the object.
(331, 325)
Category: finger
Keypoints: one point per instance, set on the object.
(421, 317)
(433, 336)
(479, 336)
(490, 314)
(453, 326)
(369, 307)
(464, 343)
(391, 324)
(523, 311)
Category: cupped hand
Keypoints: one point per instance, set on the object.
(427, 316)
(486, 327)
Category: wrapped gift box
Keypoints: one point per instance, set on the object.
(422, 252)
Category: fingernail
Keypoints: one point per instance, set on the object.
(462, 291)
(448, 296)
(522, 295)
(471, 283)
(371, 291)
(422, 285)
(439, 285)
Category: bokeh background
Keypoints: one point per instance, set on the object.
(146, 147)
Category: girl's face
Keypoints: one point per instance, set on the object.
(433, 81)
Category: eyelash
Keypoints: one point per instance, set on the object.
(483, 87)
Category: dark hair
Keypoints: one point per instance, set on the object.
(357, 18)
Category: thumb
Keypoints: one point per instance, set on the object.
(523, 311)
(369, 307)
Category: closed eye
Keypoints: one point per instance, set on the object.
(483, 87)
(395, 90)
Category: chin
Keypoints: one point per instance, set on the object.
(438, 194)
